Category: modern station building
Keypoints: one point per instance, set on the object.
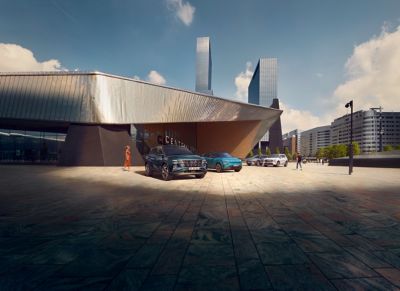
(79, 118)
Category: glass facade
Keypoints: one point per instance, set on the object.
(23, 146)
(263, 85)
(203, 65)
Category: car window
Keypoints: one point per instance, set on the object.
(223, 155)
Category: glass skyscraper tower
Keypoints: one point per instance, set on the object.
(203, 66)
(263, 84)
(263, 91)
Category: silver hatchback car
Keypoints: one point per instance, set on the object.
(255, 160)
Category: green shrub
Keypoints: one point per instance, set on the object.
(388, 148)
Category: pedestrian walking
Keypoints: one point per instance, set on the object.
(299, 159)
(127, 162)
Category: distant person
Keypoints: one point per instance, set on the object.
(299, 159)
(128, 157)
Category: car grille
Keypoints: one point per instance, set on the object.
(192, 163)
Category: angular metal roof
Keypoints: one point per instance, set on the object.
(98, 98)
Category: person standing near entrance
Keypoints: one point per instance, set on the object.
(128, 158)
(299, 158)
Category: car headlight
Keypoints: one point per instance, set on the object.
(204, 163)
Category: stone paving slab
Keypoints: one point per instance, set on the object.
(89, 228)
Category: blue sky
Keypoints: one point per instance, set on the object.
(312, 39)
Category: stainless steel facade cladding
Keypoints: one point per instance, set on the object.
(203, 66)
(97, 98)
(263, 85)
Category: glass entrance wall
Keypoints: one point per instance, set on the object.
(146, 136)
(23, 146)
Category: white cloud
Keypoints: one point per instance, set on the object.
(372, 79)
(242, 81)
(373, 74)
(14, 58)
(156, 78)
(136, 77)
(300, 119)
(183, 10)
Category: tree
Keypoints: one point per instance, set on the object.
(356, 148)
(319, 153)
(251, 153)
(288, 155)
(267, 151)
(397, 147)
(259, 152)
(277, 150)
(388, 148)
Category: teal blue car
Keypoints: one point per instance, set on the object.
(222, 161)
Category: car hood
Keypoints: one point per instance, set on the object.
(185, 157)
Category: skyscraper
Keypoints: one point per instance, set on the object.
(263, 91)
(203, 66)
(263, 85)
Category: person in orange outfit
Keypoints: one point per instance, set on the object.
(128, 157)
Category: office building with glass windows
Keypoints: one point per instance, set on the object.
(263, 85)
(203, 66)
(262, 91)
(366, 125)
(313, 139)
(87, 118)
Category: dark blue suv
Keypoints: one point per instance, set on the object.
(173, 160)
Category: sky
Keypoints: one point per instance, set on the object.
(328, 51)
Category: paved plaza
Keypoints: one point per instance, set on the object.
(259, 229)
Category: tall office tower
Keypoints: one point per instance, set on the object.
(263, 91)
(203, 66)
(263, 85)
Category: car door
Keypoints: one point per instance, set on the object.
(150, 158)
(210, 161)
(159, 159)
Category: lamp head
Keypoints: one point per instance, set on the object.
(349, 104)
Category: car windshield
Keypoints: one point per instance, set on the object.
(274, 156)
(222, 155)
(176, 150)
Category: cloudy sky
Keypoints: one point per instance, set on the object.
(328, 51)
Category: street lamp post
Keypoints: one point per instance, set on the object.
(350, 104)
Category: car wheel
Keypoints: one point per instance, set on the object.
(238, 170)
(218, 167)
(258, 163)
(278, 164)
(286, 163)
(200, 176)
(165, 172)
(249, 164)
(148, 170)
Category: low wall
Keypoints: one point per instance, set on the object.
(378, 162)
